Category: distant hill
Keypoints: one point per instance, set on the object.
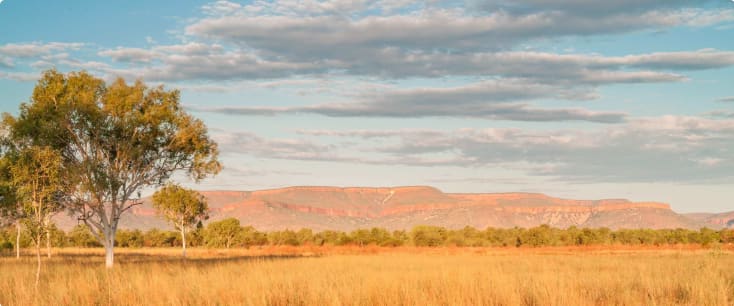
(725, 219)
(335, 208)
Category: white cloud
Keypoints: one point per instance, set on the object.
(24, 50)
(497, 99)
(19, 76)
(655, 149)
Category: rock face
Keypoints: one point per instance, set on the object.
(322, 208)
(725, 220)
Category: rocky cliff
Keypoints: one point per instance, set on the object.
(725, 219)
(336, 208)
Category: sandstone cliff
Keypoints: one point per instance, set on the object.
(336, 208)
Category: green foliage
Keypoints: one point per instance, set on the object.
(423, 235)
(326, 238)
(286, 237)
(182, 207)
(113, 140)
(35, 174)
(727, 236)
(159, 238)
(229, 232)
(10, 211)
(225, 233)
(129, 239)
(58, 237)
(250, 236)
(80, 236)
(361, 237)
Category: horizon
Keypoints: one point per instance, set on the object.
(592, 100)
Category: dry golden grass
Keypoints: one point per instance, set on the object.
(377, 276)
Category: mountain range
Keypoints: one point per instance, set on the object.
(337, 208)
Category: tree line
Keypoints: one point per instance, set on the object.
(228, 233)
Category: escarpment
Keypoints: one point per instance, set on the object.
(348, 208)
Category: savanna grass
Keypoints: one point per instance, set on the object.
(375, 276)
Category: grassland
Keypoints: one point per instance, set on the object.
(377, 276)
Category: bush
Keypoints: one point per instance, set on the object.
(129, 238)
(225, 233)
(159, 238)
(229, 233)
(428, 235)
(80, 236)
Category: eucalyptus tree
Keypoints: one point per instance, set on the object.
(182, 207)
(10, 211)
(114, 140)
(36, 176)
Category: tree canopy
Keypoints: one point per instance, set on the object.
(182, 207)
(113, 139)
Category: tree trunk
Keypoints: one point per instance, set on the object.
(39, 236)
(17, 239)
(48, 243)
(183, 240)
(109, 248)
(109, 258)
(47, 225)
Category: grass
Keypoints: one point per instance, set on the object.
(376, 276)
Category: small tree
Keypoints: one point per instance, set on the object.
(424, 235)
(184, 208)
(10, 211)
(223, 233)
(36, 176)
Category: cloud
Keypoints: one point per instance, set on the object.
(540, 66)
(515, 112)
(294, 149)
(687, 60)
(196, 61)
(369, 134)
(306, 150)
(725, 99)
(445, 38)
(656, 149)
(587, 7)
(285, 38)
(219, 8)
(19, 76)
(498, 99)
(11, 52)
(6, 62)
(201, 62)
(721, 114)
(130, 55)
(274, 28)
(26, 50)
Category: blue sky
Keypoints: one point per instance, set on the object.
(573, 98)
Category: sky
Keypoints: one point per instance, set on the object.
(582, 99)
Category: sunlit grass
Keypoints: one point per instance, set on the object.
(376, 276)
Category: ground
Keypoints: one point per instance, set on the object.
(675, 275)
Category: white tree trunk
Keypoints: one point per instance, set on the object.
(109, 247)
(109, 258)
(183, 240)
(39, 237)
(17, 239)
(48, 243)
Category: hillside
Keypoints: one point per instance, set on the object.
(322, 208)
(725, 219)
